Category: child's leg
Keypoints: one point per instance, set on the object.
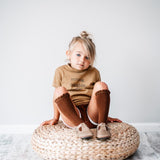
(98, 107)
(69, 113)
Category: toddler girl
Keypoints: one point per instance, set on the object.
(80, 97)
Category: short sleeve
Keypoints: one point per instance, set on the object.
(98, 76)
(57, 78)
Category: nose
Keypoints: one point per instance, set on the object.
(82, 58)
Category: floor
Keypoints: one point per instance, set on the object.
(18, 147)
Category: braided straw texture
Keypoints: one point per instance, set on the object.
(60, 143)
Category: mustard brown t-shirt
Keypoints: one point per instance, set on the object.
(79, 83)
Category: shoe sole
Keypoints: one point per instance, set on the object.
(86, 138)
(103, 138)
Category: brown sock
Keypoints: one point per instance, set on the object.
(103, 101)
(66, 106)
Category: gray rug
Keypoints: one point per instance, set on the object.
(18, 147)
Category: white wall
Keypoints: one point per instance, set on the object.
(34, 35)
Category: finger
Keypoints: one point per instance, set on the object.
(119, 120)
(42, 124)
(47, 123)
(53, 123)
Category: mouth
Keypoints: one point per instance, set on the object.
(82, 65)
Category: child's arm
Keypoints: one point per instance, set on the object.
(55, 118)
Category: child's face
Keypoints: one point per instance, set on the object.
(79, 57)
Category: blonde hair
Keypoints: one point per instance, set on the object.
(87, 42)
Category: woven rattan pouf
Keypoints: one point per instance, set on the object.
(58, 142)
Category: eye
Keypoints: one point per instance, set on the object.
(78, 54)
(87, 58)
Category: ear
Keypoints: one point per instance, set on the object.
(68, 54)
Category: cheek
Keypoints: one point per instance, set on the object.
(87, 63)
(74, 59)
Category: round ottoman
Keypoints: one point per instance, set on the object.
(61, 143)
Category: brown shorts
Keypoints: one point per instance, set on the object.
(84, 116)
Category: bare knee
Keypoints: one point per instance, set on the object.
(59, 91)
(100, 86)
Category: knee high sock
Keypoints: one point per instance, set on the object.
(103, 102)
(66, 106)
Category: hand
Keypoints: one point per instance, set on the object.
(50, 122)
(113, 120)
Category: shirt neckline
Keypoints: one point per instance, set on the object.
(70, 68)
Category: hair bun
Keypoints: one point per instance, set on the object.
(84, 34)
